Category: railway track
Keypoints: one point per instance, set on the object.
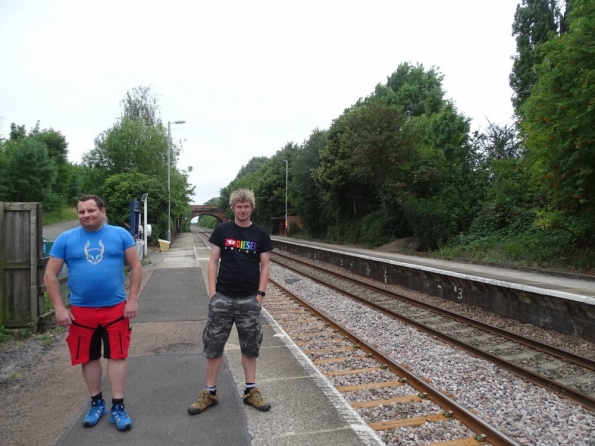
(388, 396)
(562, 372)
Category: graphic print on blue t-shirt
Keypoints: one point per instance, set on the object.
(94, 255)
(245, 245)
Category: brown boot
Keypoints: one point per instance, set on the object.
(204, 400)
(254, 398)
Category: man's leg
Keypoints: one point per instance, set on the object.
(213, 366)
(208, 397)
(250, 334)
(118, 331)
(92, 373)
(249, 365)
(116, 373)
(84, 342)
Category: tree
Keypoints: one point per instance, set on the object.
(35, 167)
(270, 187)
(119, 189)
(366, 159)
(499, 142)
(4, 185)
(252, 166)
(141, 103)
(306, 196)
(17, 132)
(559, 124)
(54, 141)
(442, 196)
(130, 146)
(137, 146)
(535, 21)
(58, 152)
(413, 88)
(29, 171)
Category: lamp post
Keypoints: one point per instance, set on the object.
(143, 198)
(286, 169)
(169, 177)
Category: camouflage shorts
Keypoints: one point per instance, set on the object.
(223, 312)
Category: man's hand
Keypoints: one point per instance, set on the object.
(63, 316)
(131, 308)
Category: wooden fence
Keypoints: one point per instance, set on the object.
(21, 266)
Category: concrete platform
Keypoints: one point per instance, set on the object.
(571, 287)
(166, 371)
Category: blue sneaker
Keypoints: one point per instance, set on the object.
(120, 418)
(96, 411)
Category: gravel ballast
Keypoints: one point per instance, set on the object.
(529, 414)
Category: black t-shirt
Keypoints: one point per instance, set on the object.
(239, 269)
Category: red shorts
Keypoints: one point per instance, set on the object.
(96, 325)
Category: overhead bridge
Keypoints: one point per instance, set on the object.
(205, 209)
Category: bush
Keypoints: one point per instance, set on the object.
(373, 230)
(532, 248)
(429, 223)
(295, 229)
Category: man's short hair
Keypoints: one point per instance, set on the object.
(98, 201)
(241, 196)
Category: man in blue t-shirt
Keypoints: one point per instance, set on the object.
(99, 310)
(240, 250)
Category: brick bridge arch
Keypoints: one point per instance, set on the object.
(205, 209)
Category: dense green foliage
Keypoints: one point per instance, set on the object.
(534, 23)
(34, 168)
(559, 127)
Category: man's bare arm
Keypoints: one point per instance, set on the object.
(136, 272)
(52, 286)
(213, 268)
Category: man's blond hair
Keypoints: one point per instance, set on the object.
(242, 196)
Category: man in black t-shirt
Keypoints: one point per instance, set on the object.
(240, 252)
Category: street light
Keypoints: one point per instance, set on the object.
(286, 169)
(169, 178)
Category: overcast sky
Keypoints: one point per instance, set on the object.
(246, 76)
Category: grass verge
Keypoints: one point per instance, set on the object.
(65, 214)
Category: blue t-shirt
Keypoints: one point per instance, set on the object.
(95, 263)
